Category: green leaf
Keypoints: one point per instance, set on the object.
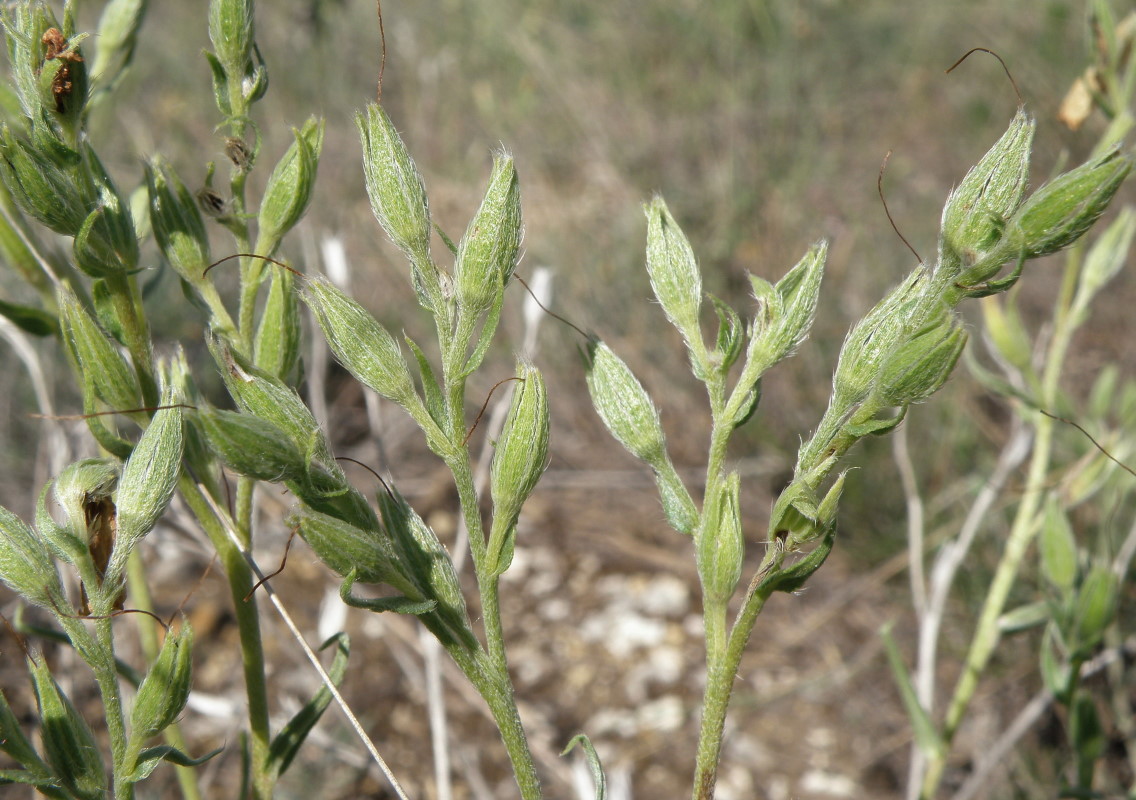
(96, 357)
(927, 737)
(14, 743)
(397, 605)
(593, 759)
(149, 759)
(1024, 617)
(287, 742)
(31, 320)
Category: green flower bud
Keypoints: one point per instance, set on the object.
(25, 563)
(1058, 213)
(624, 406)
(675, 277)
(488, 251)
(265, 396)
(148, 480)
(920, 366)
(360, 343)
(177, 223)
(785, 313)
(96, 358)
(346, 548)
(165, 689)
(116, 38)
(289, 188)
(231, 32)
(277, 345)
(68, 743)
(1058, 548)
(519, 460)
(975, 215)
(106, 242)
(45, 188)
(1095, 608)
(252, 446)
(869, 343)
(427, 562)
(397, 194)
(720, 544)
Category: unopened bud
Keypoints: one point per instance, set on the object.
(488, 251)
(518, 462)
(289, 187)
(675, 277)
(1058, 213)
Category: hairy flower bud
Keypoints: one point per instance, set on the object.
(518, 462)
(488, 251)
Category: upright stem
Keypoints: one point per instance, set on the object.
(248, 625)
(716, 699)
(1022, 531)
(107, 679)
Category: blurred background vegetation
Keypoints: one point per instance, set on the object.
(763, 123)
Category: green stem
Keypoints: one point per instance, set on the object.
(716, 698)
(127, 302)
(107, 678)
(494, 686)
(1022, 531)
(248, 625)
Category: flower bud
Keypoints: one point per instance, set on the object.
(624, 406)
(277, 345)
(720, 544)
(96, 358)
(251, 446)
(360, 343)
(231, 33)
(26, 566)
(974, 217)
(176, 221)
(1058, 213)
(106, 242)
(42, 186)
(427, 562)
(148, 480)
(398, 197)
(488, 251)
(784, 313)
(518, 462)
(116, 37)
(345, 548)
(289, 188)
(920, 366)
(85, 493)
(165, 689)
(675, 277)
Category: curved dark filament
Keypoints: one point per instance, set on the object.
(1013, 83)
(485, 405)
(887, 211)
